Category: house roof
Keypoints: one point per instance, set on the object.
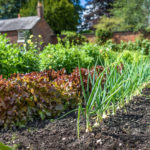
(23, 23)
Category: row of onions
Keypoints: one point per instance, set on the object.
(117, 90)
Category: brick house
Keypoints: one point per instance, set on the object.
(17, 28)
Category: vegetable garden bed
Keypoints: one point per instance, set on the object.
(98, 79)
(128, 129)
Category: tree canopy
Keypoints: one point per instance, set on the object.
(94, 10)
(59, 14)
(135, 13)
(10, 8)
(128, 15)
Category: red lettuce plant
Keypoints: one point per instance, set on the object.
(24, 97)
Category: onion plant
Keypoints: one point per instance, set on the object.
(117, 89)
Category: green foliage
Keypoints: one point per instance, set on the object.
(130, 57)
(109, 24)
(10, 8)
(135, 14)
(86, 32)
(73, 38)
(28, 61)
(103, 35)
(13, 59)
(105, 28)
(140, 45)
(26, 9)
(5, 147)
(24, 59)
(58, 56)
(127, 15)
(147, 29)
(25, 97)
(59, 14)
(121, 83)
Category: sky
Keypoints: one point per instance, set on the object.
(83, 2)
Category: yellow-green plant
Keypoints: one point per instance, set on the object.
(109, 24)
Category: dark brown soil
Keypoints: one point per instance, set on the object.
(128, 130)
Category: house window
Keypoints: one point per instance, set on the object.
(21, 36)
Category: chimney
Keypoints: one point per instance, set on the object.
(40, 11)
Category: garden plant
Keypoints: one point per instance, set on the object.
(91, 79)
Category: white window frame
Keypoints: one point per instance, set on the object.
(21, 36)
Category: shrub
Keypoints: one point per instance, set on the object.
(13, 59)
(105, 28)
(109, 24)
(103, 35)
(142, 46)
(58, 56)
(28, 61)
(145, 45)
(73, 38)
(111, 45)
(130, 57)
(86, 31)
(108, 55)
(8, 56)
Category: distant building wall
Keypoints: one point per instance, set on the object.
(12, 35)
(117, 37)
(125, 36)
(43, 29)
(91, 37)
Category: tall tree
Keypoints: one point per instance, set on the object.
(59, 14)
(78, 9)
(94, 10)
(135, 13)
(10, 8)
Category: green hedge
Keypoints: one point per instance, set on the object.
(73, 38)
